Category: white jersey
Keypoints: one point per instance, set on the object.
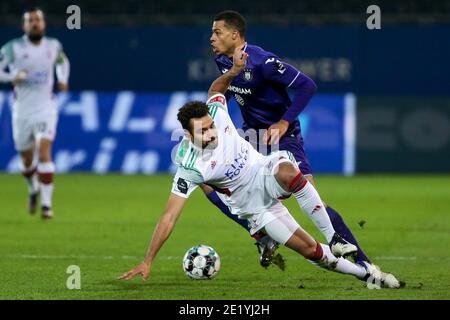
(230, 168)
(34, 95)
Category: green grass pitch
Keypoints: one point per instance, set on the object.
(103, 225)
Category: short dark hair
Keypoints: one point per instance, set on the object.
(233, 19)
(191, 110)
(32, 9)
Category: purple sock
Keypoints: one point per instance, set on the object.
(214, 198)
(341, 228)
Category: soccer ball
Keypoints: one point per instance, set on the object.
(201, 262)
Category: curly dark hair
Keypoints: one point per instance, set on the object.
(191, 110)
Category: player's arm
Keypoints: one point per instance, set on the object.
(184, 183)
(275, 70)
(161, 233)
(228, 94)
(4, 61)
(221, 84)
(6, 58)
(62, 66)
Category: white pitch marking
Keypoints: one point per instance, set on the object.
(80, 257)
(93, 257)
(398, 258)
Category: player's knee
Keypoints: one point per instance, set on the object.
(44, 156)
(44, 152)
(310, 251)
(286, 173)
(27, 162)
(27, 158)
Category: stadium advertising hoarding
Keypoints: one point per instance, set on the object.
(136, 133)
(347, 58)
(403, 134)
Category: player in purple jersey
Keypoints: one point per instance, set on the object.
(261, 92)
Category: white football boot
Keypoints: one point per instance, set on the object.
(341, 247)
(46, 213)
(378, 279)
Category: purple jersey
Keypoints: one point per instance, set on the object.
(261, 92)
(260, 89)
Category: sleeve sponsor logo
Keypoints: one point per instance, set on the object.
(182, 186)
(280, 66)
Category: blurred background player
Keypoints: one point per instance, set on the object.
(31, 61)
(261, 92)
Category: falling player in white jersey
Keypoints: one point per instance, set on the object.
(249, 183)
(29, 64)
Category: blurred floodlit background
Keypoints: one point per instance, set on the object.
(134, 63)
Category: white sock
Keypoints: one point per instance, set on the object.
(46, 195)
(31, 178)
(309, 200)
(46, 171)
(33, 186)
(341, 265)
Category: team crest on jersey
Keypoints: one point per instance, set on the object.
(248, 74)
(213, 164)
(227, 129)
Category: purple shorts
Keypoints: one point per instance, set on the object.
(295, 146)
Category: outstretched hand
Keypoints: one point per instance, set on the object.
(143, 270)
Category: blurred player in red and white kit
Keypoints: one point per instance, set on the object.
(29, 63)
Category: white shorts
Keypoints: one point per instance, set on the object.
(27, 131)
(282, 229)
(272, 188)
(277, 222)
(264, 193)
